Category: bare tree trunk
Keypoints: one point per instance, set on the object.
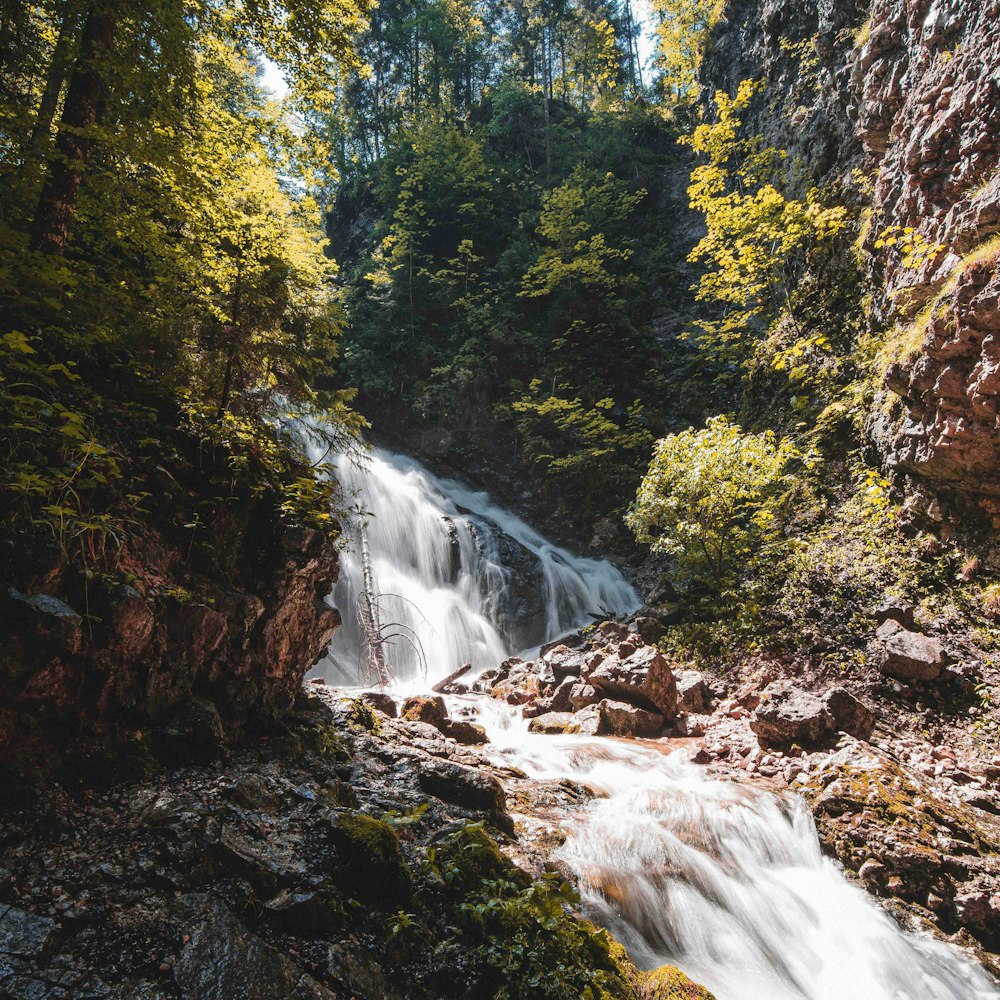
(57, 203)
(54, 79)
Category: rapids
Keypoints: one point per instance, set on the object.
(725, 881)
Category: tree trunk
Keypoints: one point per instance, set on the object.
(57, 203)
(54, 79)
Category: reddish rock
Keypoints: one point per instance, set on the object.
(692, 691)
(643, 676)
(787, 715)
(551, 722)
(431, 710)
(850, 715)
(621, 719)
(909, 656)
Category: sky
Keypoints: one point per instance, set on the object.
(642, 10)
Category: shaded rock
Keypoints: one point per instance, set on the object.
(51, 623)
(258, 862)
(551, 722)
(423, 709)
(298, 912)
(468, 733)
(354, 969)
(788, 715)
(565, 662)
(252, 792)
(618, 718)
(369, 860)
(223, 959)
(639, 674)
(25, 934)
(464, 786)
(381, 702)
(692, 691)
(651, 630)
(909, 656)
(850, 715)
(897, 611)
(561, 697)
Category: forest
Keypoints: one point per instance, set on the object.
(551, 370)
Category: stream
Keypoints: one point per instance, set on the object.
(725, 881)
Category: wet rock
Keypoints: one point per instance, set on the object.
(565, 662)
(788, 715)
(298, 912)
(223, 959)
(692, 691)
(431, 711)
(521, 686)
(551, 722)
(637, 673)
(850, 715)
(586, 722)
(251, 791)
(381, 702)
(461, 731)
(464, 786)
(369, 860)
(24, 934)
(908, 656)
(618, 718)
(257, 862)
(669, 983)
(561, 697)
(355, 970)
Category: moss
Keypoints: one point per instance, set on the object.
(470, 857)
(669, 983)
(369, 860)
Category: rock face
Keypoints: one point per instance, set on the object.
(147, 651)
(639, 673)
(788, 715)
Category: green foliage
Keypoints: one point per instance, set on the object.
(588, 453)
(713, 499)
(685, 29)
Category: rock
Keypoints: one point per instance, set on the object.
(52, 624)
(464, 786)
(788, 715)
(565, 662)
(638, 674)
(381, 702)
(909, 656)
(297, 912)
(873, 873)
(621, 719)
(423, 709)
(685, 726)
(468, 733)
(586, 722)
(257, 862)
(223, 959)
(897, 611)
(519, 688)
(24, 934)
(582, 695)
(251, 791)
(692, 691)
(551, 722)
(561, 700)
(370, 863)
(850, 715)
(725, 736)
(669, 983)
(650, 629)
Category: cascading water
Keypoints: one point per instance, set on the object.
(725, 881)
(470, 582)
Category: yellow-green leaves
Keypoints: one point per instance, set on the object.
(711, 498)
(684, 27)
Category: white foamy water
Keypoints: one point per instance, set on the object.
(725, 881)
(445, 556)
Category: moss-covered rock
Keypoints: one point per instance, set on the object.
(669, 983)
(369, 861)
(469, 857)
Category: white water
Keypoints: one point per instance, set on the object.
(724, 881)
(441, 546)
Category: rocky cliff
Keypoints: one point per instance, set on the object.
(895, 105)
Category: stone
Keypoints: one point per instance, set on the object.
(51, 623)
(622, 719)
(430, 710)
(725, 736)
(788, 715)
(582, 695)
(586, 722)
(897, 611)
(257, 862)
(468, 733)
(25, 934)
(850, 715)
(381, 702)
(561, 700)
(370, 864)
(298, 912)
(909, 656)
(692, 692)
(551, 723)
(464, 786)
(565, 662)
(643, 677)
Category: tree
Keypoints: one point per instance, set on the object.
(712, 498)
(684, 27)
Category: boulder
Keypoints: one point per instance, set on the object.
(424, 709)
(909, 656)
(788, 715)
(464, 732)
(464, 786)
(692, 692)
(618, 718)
(565, 662)
(637, 673)
(586, 722)
(850, 715)
(24, 934)
(381, 702)
(582, 695)
(551, 722)
(561, 697)
(896, 611)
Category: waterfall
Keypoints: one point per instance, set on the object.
(726, 881)
(467, 580)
